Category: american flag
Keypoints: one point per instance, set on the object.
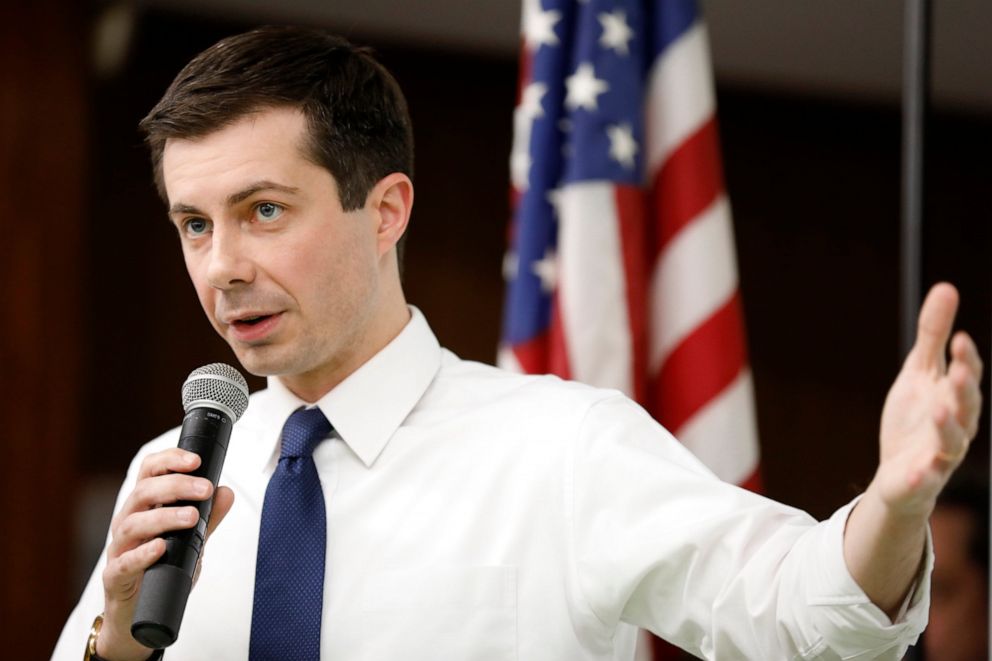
(622, 270)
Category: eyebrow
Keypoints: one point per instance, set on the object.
(238, 197)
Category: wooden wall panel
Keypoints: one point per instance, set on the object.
(42, 166)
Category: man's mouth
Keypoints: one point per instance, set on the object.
(251, 321)
(253, 326)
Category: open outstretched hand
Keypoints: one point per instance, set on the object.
(931, 412)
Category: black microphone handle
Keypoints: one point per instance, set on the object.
(166, 585)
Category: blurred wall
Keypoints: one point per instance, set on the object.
(43, 156)
(813, 182)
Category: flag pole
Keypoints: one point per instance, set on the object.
(916, 88)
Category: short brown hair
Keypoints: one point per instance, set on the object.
(359, 125)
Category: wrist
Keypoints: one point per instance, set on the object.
(900, 508)
(884, 549)
(113, 644)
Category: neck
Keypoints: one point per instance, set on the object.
(312, 386)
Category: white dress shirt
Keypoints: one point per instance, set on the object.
(475, 514)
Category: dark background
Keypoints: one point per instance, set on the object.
(103, 325)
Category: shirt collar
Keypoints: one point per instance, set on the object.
(369, 406)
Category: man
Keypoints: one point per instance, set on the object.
(470, 513)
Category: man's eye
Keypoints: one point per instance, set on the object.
(266, 212)
(196, 226)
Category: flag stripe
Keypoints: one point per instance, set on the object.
(557, 353)
(680, 95)
(701, 367)
(532, 355)
(507, 357)
(688, 182)
(753, 482)
(708, 433)
(592, 277)
(693, 277)
(631, 213)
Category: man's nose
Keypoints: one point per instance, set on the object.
(230, 264)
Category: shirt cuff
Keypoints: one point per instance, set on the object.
(851, 625)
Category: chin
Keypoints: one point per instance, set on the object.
(266, 361)
(259, 361)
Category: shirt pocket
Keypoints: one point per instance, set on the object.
(441, 614)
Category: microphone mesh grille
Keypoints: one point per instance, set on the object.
(217, 382)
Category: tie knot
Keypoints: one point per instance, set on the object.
(303, 431)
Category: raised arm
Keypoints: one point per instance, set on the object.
(930, 416)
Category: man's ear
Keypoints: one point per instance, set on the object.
(391, 201)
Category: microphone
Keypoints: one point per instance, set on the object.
(214, 398)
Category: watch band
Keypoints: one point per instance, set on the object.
(89, 654)
(156, 656)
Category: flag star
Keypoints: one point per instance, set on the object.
(511, 265)
(520, 162)
(583, 88)
(539, 25)
(623, 147)
(616, 32)
(546, 269)
(529, 109)
(530, 101)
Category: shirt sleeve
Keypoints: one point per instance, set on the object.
(851, 626)
(661, 543)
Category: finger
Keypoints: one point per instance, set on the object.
(173, 460)
(223, 501)
(120, 576)
(953, 440)
(965, 398)
(139, 527)
(963, 349)
(165, 490)
(934, 328)
(222, 505)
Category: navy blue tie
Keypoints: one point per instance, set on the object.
(289, 574)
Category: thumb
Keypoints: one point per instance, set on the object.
(934, 328)
(223, 500)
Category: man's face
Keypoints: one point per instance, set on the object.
(958, 629)
(288, 279)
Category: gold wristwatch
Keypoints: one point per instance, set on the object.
(89, 654)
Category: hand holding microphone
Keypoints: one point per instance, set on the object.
(164, 522)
